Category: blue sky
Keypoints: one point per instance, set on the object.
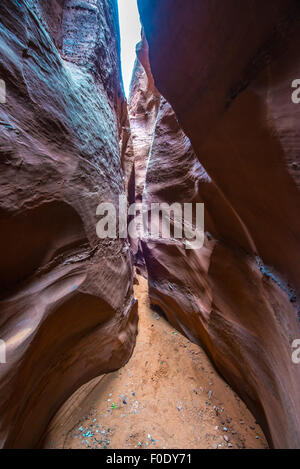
(130, 30)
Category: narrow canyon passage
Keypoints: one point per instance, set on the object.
(190, 177)
(167, 396)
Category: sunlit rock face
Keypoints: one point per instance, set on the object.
(143, 107)
(67, 309)
(227, 71)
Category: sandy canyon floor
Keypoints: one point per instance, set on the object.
(167, 396)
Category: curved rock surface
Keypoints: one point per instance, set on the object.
(68, 143)
(143, 107)
(67, 307)
(229, 80)
(237, 111)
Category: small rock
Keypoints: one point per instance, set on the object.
(226, 438)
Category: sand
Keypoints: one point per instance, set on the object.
(167, 396)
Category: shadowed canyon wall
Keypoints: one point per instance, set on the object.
(227, 68)
(210, 120)
(67, 308)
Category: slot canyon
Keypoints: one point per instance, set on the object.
(131, 342)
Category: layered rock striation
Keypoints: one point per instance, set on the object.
(67, 307)
(143, 106)
(210, 120)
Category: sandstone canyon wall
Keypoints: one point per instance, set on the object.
(143, 107)
(229, 139)
(227, 68)
(67, 308)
